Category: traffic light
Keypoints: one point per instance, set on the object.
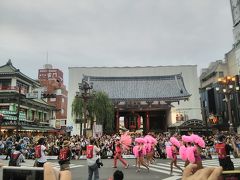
(48, 95)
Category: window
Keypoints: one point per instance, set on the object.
(220, 74)
(63, 100)
(52, 99)
(62, 111)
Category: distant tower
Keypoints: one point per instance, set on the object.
(52, 79)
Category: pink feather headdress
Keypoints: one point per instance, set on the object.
(187, 139)
(139, 140)
(174, 141)
(198, 140)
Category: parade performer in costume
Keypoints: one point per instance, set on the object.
(126, 141)
(139, 151)
(223, 150)
(150, 143)
(149, 149)
(172, 152)
(118, 154)
(186, 143)
(194, 152)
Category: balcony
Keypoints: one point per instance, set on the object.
(12, 89)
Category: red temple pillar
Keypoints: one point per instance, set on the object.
(117, 122)
(147, 121)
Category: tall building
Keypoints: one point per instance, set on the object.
(214, 103)
(19, 111)
(55, 92)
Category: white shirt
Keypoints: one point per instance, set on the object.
(43, 157)
(92, 161)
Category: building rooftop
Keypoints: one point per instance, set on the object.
(147, 88)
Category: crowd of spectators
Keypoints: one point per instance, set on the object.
(106, 143)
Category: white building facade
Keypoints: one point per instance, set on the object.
(187, 109)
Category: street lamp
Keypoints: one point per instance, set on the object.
(85, 89)
(227, 86)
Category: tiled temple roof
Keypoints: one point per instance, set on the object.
(147, 88)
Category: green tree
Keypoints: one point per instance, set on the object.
(99, 107)
(77, 107)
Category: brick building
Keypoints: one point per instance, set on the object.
(55, 92)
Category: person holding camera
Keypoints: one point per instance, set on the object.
(93, 159)
(223, 150)
(40, 157)
(65, 156)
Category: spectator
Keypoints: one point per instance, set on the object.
(92, 152)
(40, 153)
(16, 157)
(117, 175)
(65, 156)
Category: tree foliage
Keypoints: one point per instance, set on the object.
(99, 107)
(77, 107)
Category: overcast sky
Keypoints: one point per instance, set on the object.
(113, 33)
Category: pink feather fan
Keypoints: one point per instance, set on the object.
(174, 141)
(126, 141)
(140, 140)
(151, 139)
(148, 144)
(198, 140)
(169, 152)
(190, 154)
(194, 137)
(187, 139)
(135, 151)
(183, 153)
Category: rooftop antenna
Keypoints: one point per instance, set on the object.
(47, 57)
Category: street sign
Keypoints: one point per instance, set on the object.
(32, 95)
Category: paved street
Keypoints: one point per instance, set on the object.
(158, 170)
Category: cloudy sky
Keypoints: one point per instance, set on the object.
(113, 33)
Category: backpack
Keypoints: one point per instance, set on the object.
(63, 155)
(89, 151)
(221, 150)
(38, 151)
(13, 159)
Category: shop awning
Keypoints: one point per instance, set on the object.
(41, 129)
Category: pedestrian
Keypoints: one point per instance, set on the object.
(92, 156)
(40, 157)
(65, 156)
(223, 150)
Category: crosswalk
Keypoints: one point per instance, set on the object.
(54, 164)
(165, 167)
